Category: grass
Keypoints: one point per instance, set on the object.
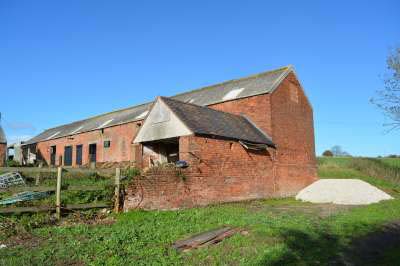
(391, 161)
(281, 232)
(105, 194)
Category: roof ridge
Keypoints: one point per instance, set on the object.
(96, 116)
(285, 70)
(179, 94)
(288, 67)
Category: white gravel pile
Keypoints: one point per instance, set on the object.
(342, 191)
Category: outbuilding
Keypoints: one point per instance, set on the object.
(241, 139)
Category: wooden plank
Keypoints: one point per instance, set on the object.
(108, 171)
(84, 188)
(16, 210)
(87, 206)
(33, 189)
(53, 188)
(205, 239)
(26, 209)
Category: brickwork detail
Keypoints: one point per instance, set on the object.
(3, 154)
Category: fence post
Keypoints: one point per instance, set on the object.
(117, 189)
(37, 181)
(58, 193)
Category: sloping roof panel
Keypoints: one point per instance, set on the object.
(206, 121)
(239, 88)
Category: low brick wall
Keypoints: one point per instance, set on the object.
(159, 188)
(219, 171)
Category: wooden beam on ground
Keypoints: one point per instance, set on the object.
(205, 239)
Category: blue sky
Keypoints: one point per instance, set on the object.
(62, 61)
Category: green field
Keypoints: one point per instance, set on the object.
(281, 232)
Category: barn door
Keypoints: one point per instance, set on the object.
(68, 155)
(78, 154)
(92, 152)
(53, 151)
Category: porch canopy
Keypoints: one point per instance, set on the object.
(170, 118)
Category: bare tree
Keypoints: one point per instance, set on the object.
(388, 98)
(338, 151)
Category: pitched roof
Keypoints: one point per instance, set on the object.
(206, 121)
(253, 85)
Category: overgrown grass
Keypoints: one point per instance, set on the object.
(374, 171)
(281, 232)
(104, 194)
(391, 161)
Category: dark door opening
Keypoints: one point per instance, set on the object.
(53, 150)
(68, 155)
(163, 151)
(172, 152)
(92, 152)
(79, 154)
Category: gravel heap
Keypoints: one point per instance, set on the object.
(342, 191)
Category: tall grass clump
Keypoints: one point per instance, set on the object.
(377, 168)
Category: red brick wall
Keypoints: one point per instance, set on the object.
(121, 149)
(293, 133)
(219, 171)
(257, 108)
(3, 153)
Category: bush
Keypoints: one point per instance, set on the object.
(131, 172)
(12, 163)
(327, 153)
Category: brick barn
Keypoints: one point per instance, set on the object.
(242, 139)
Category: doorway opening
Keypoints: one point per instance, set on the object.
(92, 152)
(68, 156)
(162, 151)
(78, 155)
(53, 151)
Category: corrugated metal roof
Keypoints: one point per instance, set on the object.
(229, 90)
(206, 121)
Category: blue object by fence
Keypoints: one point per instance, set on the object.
(181, 164)
(24, 196)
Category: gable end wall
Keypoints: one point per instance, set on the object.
(293, 133)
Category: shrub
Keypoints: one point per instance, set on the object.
(327, 153)
(12, 163)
